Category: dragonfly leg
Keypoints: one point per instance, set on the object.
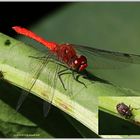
(39, 57)
(60, 73)
(77, 78)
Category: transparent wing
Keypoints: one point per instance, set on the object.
(33, 80)
(46, 108)
(47, 105)
(21, 99)
(98, 58)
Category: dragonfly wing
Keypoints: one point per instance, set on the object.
(46, 108)
(32, 82)
(107, 59)
(47, 105)
(22, 98)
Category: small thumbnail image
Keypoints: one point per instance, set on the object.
(119, 115)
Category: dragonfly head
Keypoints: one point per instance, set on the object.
(80, 63)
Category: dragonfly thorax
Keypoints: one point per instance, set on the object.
(67, 54)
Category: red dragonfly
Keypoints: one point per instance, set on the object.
(78, 58)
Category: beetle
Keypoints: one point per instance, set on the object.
(124, 110)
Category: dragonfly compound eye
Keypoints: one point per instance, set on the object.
(83, 63)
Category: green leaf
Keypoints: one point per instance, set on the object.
(85, 133)
(78, 101)
(13, 72)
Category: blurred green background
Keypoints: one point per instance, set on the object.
(107, 25)
(111, 26)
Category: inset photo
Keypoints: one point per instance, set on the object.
(119, 115)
